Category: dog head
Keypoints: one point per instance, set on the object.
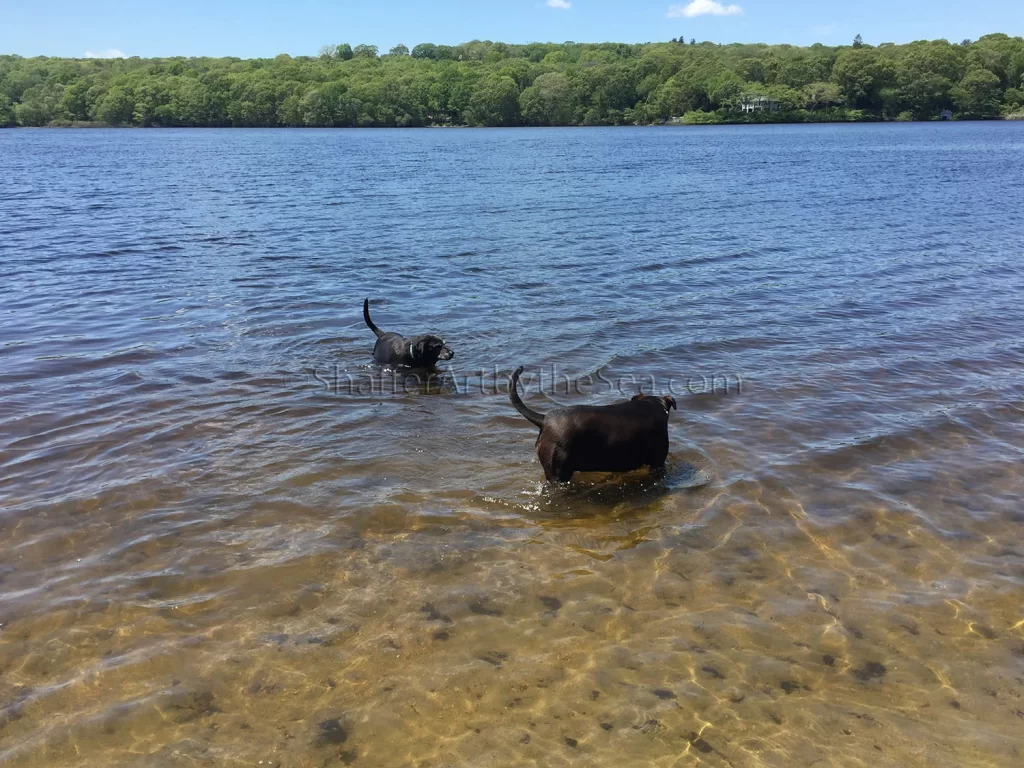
(427, 350)
(668, 402)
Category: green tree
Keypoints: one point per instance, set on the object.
(724, 89)
(788, 98)
(32, 113)
(449, 93)
(117, 107)
(253, 102)
(194, 104)
(822, 95)
(75, 101)
(21, 78)
(614, 86)
(40, 104)
(977, 95)
(399, 50)
(519, 70)
(681, 93)
(328, 106)
(483, 82)
(150, 104)
(7, 118)
(494, 102)
(939, 58)
(365, 51)
(861, 74)
(289, 111)
(926, 95)
(802, 70)
(425, 51)
(548, 101)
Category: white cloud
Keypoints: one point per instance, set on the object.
(564, 5)
(110, 53)
(703, 8)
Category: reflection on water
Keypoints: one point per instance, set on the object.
(211, 556)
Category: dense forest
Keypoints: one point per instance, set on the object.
(485, 83)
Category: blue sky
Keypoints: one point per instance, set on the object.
(249, 28)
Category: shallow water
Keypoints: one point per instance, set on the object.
(227, 537)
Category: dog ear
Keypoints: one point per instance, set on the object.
(638, 396)
(419, 349)
(670, 403)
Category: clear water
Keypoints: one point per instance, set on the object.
(228, 537)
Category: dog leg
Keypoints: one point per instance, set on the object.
(561, 470)
(564, 473)
(554, 462)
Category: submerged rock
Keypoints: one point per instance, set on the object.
(870, 671)
(184, 706)
(331, 732)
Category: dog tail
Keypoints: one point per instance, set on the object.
(369, 322)
(513, 395)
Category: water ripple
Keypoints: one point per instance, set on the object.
(228, 535)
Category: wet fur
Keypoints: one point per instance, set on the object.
(412, 352)
(599, 438)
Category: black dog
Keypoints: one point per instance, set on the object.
(417, 352)
(605, 438)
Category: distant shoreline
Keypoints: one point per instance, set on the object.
(677, 123)
(492, 84)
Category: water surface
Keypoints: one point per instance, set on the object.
(226, 537)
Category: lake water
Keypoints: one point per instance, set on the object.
(228, 537)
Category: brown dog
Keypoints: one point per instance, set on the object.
(599, 438)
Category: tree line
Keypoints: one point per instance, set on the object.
(497, 84)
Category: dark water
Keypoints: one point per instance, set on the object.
(226, 536)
